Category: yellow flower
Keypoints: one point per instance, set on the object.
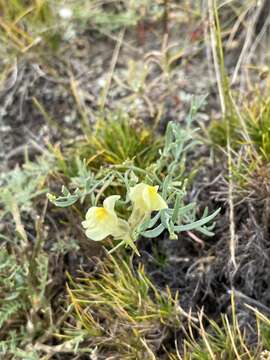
(146, 199)
(101, 222)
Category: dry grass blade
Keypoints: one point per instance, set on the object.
(214, 46)
(224, 96)
(103, 96)
(249, 35)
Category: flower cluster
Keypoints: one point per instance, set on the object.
(101, 222)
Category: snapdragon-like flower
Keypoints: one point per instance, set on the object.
(145, 198)
(101, 222)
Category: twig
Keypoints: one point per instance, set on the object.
(212, 27)
(103, 97)
(18, 222)
(240, 295)
(196, 238)
(223, 89)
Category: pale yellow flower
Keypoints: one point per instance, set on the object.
(146, 199)
(101, 222)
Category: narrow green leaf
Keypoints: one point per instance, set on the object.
(196, 224)
(154, 232)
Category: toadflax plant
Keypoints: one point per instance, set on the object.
(155, 196)
(103, 221)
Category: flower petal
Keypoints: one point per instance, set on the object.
(136, 191)
(97, 233)
(153, 200)
(91, 212)
(85, 224)
(149, 193)
(146, 198)
(102, 221)
(158, 203)
(121, 229)
(109, 203)
(135, 195)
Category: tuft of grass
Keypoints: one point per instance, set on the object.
(119, 140)
(250, 143)
(255, 116)
(22, 23)
(243, 130)
(218, 131)
(119, 309)
(225, 339)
